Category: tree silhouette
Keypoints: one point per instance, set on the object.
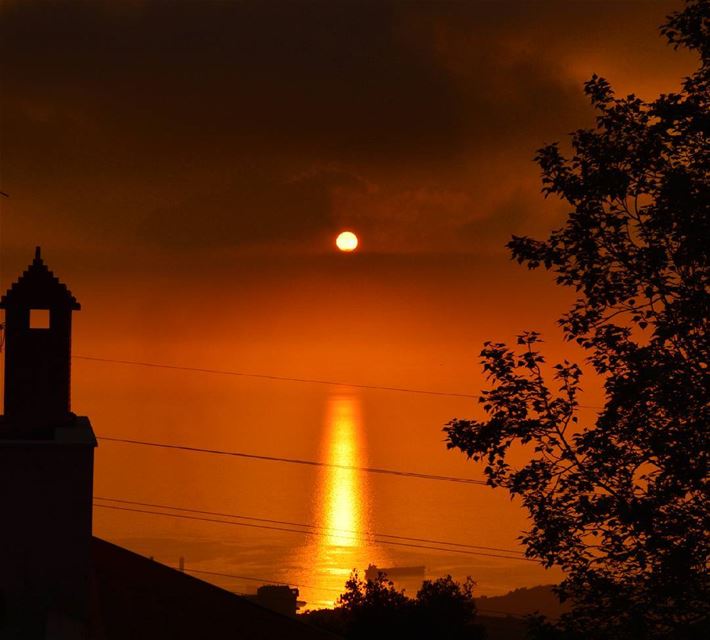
(443, 608)
(375, 608)
(620, 504)
(446, 609)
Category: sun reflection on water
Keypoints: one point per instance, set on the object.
(342, 505)
(342, 490)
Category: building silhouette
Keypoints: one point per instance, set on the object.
(46, 466)
(280, 598)
(57, 581)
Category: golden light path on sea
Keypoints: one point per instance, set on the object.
(342, 489)
(342, 504)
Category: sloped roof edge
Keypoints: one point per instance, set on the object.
(143, 599)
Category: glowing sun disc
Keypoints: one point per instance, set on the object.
(346, 241)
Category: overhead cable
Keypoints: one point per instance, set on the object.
(312, 533)
(264, 376)
(312, 463)
(306, 526)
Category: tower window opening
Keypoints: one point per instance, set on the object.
(39, 318)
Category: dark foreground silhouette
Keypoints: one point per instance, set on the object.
(375, 608)
(137, 598)
(619, 498)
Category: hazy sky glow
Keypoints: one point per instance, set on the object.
(186, 166)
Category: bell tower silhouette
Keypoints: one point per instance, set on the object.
(46, 468)
(38, 314)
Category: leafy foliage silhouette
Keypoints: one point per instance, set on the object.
(443, 608)
(621, 505)
(446, 609)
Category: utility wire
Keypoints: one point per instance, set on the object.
(307, 526)
(498, 612)
(263, 376)
(221, 574)
(262, 580)
(311, 533)
(312, 463)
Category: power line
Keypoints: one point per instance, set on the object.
(312, 463)
(264, 376)
(262, 580)
(499, 612)
(254, 579)
(221, 574)
(308, 526)
(235, 576)
(311, 533)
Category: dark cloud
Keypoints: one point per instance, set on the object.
(208, 123)
(254, 208)
(228, 77)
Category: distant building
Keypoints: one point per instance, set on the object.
(56, 581)
(280, 598)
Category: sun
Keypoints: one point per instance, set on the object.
(346, 241)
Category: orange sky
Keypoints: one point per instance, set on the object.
(186, 166)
